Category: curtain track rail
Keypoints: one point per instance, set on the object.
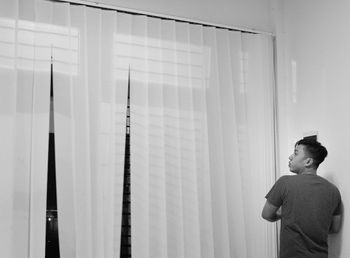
(162, 16)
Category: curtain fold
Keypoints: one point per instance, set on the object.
(24, 123)
(217, 144)
(202, 133)
(229, 70)
(258, 62)
(90, 123)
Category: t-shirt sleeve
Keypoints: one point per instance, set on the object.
(277, 193)
(338, 209)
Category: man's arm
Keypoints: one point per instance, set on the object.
(336, 224)
(270, 212)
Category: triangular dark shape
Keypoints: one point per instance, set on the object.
(125, 240)
(52, 240)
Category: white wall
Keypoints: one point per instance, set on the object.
(313, 50)
(252, 14)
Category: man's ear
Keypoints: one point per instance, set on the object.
(309, 162)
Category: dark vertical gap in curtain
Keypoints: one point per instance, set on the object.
(125, 240)
(52, 240)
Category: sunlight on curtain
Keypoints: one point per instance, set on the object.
(241, 142)
(202, 133)
(259, 135)
(90, 121)
(201, 139)
(24, 128)
(240, 119)
(165, 208)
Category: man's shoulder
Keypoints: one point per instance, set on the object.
(330, 185)
(285, 178)
(327, 182)
(284, 181)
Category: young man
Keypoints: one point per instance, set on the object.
(311, 206)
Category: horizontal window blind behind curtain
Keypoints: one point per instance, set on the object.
(202, 139)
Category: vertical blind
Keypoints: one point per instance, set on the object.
(202, 133)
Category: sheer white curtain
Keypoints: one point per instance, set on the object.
(90, 122)
(202, 128)
(24, 128)
(202, 139)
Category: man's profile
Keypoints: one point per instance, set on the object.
(310, 205)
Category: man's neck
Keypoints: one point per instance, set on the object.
(308, 171)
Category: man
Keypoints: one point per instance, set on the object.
(310, 205)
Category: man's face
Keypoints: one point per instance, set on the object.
(297, 160)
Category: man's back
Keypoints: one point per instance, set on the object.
(308, 204)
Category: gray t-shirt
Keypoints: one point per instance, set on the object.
(308, 204)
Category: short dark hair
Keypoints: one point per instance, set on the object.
(314, 149)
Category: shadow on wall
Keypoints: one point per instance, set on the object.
(335, 241)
